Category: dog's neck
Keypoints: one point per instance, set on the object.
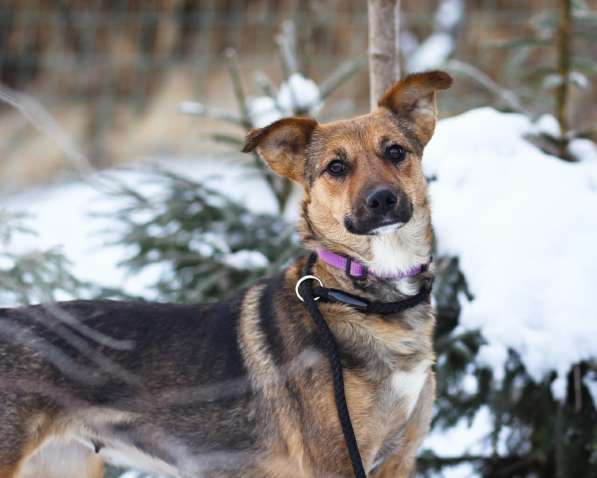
(387, 255)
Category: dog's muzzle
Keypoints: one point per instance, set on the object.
(379, 209)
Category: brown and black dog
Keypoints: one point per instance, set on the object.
(242, 388)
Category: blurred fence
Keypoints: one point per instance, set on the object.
(113, 72)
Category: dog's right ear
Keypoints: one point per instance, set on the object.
(282, 145)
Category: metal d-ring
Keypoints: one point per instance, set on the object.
(300, 281)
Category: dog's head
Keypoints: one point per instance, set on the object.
(362, 177)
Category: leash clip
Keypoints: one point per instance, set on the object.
(341, 297)
(301, 280)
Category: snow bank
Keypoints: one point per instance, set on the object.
(524, 225)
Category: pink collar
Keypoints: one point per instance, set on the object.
(357, 270)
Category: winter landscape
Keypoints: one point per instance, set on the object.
(514, 208)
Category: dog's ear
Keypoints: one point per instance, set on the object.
(413, 98)
(282, 145)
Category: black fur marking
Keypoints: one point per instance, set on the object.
(268, 320)
(305, 217)
(188, 356)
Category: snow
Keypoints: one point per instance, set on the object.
(139, 474)
(449, 14)
(590, 382)
(471, 437)
(524, 225)
(191, 108)
(69, 216)
(246, 260)
(546, 124)
(299, 93)
(576, 78)
(584, 150)
(263, 110)
(432, 53)
(463, 437)
(435, 50)
(296, 94)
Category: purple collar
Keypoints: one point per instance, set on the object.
(357, 270)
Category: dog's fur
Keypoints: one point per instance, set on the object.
(242, 388)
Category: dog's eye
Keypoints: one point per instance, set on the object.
(337, 168)
(395, 152)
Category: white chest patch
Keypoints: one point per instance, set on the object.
(400, 250)
(391, 255)
(407, 386)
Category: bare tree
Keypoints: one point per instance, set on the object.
(383, 46)
(564, 39)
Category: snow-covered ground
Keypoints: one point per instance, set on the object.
(523, 224)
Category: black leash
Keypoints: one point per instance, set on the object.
(310, 295)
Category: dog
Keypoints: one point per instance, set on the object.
(242, 387)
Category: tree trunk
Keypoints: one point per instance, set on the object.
(383, 57)
(564, 39)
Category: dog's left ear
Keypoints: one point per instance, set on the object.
(282, 145)
(413, 98)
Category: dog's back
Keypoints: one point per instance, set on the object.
(95, 371)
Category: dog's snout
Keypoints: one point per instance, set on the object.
(381, 200)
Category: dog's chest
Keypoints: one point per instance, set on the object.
(398, 403)
(405, 386)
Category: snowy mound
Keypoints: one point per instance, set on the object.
(524, 225)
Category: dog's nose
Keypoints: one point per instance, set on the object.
(381, 200)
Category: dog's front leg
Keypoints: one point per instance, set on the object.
(63, 460)
(402, 464)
